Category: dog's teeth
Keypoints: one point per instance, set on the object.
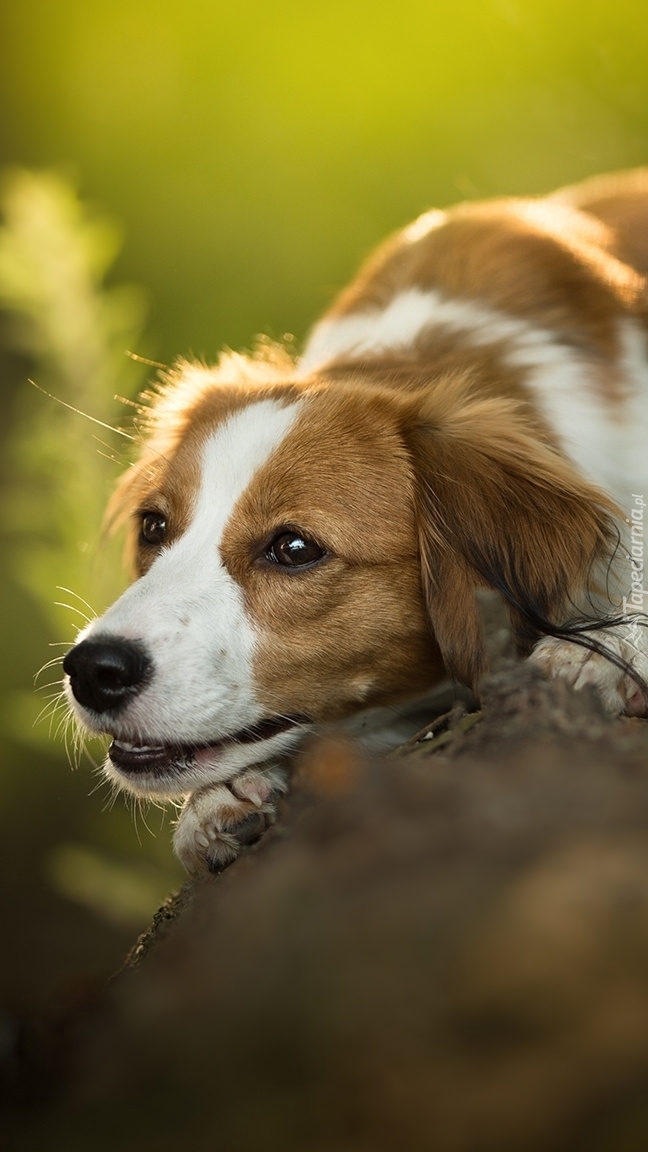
(138, 747)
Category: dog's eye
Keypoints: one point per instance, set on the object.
(292, 550)
(152, 528)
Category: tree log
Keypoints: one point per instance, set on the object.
(443, 949)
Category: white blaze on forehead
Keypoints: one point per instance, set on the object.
(188, 610)
(232, 456)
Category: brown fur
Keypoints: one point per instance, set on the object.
(621, 203)
(499, 508)
(541, 260)
(424, 475)
(353, 630)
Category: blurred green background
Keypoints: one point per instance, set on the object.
(182, 176)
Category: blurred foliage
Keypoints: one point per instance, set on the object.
(124, 893)
(255, 151)
(73, 332)
(252, 154)
(53, 258)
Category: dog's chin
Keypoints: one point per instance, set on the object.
(171, 770)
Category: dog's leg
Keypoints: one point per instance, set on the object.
(216, 823)
(619, 692)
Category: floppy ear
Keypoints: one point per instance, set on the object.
(499, 508)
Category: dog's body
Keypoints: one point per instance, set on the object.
(473, 411)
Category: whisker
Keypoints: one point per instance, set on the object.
(55, 712)
(138, 439)
(49, 713)
(160, 806)
(111, 453)
(142, 813)
(101, 783)
(80, 746)
(91, 758)
(113, 793)
(113, 459)
(109, 802)
(132, 804)
(53, 704)
(49, 664)
(86, 416)
(104, 443)
(63, 728)
(75, 741)
(69, 592)
(63, 719)
(49, 710)
(72, 608)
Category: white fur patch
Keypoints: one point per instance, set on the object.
(190, 615)
(580, 666)
(359, 333)
(608, 445)
(612, 452)
(423, 225)
(415, 311)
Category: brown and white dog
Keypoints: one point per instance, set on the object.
(308, 537)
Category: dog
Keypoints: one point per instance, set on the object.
(308, 535)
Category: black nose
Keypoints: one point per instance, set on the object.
(107, 672)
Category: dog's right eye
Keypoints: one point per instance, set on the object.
(292, 550)
(152, 528)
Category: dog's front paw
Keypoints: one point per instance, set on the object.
(217, 823)
(620, 693)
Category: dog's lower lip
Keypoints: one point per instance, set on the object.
(133, 758)
(143, 757)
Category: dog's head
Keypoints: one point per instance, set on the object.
(306, 551)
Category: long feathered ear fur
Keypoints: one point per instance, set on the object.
(499, 508)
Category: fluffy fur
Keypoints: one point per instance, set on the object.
(308, 537)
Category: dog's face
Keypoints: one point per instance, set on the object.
(304, 552)
(279, 585)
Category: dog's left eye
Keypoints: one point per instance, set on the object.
(292, 550)
(152, 528)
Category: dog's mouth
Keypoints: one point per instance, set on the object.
(157, 759)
